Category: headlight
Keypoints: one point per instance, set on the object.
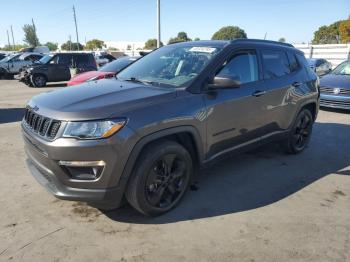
(93, 129)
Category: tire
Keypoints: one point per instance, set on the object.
(300, 133)
(161, 177)
(38, 80)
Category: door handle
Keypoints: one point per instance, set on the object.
(296, 84)
(259, 93)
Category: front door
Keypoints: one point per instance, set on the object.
(233, 114)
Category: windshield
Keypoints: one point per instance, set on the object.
(45, 59)
(117, 65)
(9, 57)
(173, 65)
(342, 69)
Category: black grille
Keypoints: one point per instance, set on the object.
(43, 126)
(330, 90)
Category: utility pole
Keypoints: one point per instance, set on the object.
(265, 36)
(70, 43)
(76, 27)
(13, 39)
(158, 23)
(8, 39)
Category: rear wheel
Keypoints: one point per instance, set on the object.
(161, 178)
(300, 134)
(38, 80)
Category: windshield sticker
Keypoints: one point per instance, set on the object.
(202, 49)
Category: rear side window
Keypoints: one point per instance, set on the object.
(81, 59)
(243, 67)
(275, 64)
(293, 63)
(302, 61)
(63, 59)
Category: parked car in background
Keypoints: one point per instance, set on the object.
(12, 65)
(144, 135)
(320, 66)
(107, 71)
(104, 58)
(56, 68)
(335, 87)
(2, 56)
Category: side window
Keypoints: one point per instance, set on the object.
(80, 60)
(293, 63)
(64, 59)
(28, 58)
(243, 67)
(275, 64)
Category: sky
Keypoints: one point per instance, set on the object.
(135, 20)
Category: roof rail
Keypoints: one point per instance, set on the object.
(261, 41)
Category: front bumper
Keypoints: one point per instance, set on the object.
(335, 101)
(24, 77)
(105, 191)
(110, 197)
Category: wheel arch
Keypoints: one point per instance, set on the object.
(187, 136)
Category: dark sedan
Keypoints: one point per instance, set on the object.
(335, 87)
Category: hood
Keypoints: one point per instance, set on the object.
(102, 99)
(332, 80)
(88, 75)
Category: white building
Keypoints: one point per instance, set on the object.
(125, 45)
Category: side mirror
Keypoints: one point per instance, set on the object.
(223, 82)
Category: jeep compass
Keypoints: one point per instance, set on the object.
(144, 135)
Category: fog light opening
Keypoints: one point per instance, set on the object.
(83, 170)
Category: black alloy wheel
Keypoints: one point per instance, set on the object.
(161, 177)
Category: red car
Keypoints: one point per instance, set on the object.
(107, 71)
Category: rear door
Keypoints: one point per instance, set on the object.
(282, 76)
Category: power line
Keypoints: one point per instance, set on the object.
(76, 27)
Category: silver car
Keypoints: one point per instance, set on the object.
(12, 64)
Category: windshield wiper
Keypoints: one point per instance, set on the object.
(135, 80)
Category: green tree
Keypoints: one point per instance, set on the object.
(95, 44)
(30, 36)
(197, 39)
(52, 46)
(282, 40)
(151, 44)
(327, 34)
(71, 46)
(181, 37)
(229, 33)
(344, 31)
(16, 47)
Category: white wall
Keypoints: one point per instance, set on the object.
(334, 53)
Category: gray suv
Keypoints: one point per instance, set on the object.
(145, 134)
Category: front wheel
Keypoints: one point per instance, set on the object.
(300, 134)
(38, 80)
(160, 179)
